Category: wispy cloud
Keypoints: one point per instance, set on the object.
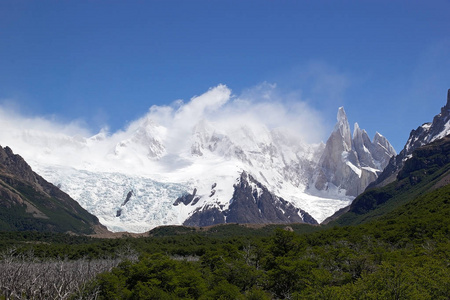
(319, 83)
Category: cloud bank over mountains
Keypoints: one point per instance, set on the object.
(202, 146)
(73, 144)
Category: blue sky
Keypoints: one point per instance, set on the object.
(107, 62)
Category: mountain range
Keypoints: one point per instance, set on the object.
(218, 173)
(234, 172)
(426, 151)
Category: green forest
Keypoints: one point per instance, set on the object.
(402, 255)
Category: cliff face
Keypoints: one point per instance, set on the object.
(351, 163)
(28, 202)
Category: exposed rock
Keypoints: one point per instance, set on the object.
(425, 134)
(187, 198)
(130, 193)
(251, 203)
(351, 163)
(206, 216)
(28, 202)
(382, 150)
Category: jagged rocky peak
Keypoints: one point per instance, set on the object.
(382, 151)
(338, 142)
(251, 203)
(15, 165)
(429, 132)
(423, 135)
(362, 145)
(342, 126)
(351, 163)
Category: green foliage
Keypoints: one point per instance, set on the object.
(153, 277)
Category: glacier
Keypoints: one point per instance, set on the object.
(158, 159)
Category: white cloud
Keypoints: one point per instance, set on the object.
(46, 139)
(266, 104)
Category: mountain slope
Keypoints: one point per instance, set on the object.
(28, 202)
(424, 134)
(393, 172)
(428, 169)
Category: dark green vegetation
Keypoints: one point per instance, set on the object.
(29, 203)
(394, 243)
(404, 255)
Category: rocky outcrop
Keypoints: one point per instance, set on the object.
(127, 199)
(187, 199)
(251, 203)
(423, 135)
(351, 163)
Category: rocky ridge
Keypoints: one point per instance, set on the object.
(251, 203)
(423, 135)
(351, 163)
(29, 202)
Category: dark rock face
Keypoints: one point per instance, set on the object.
(14, 164)
(127, 199)
(187, 199)
(130, 193)
(428, 157)
(425, 161)
(423, 135)
(205, 217)
(29, 202)
(251, 203)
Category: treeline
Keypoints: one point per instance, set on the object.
(403, 255)
(287, 267)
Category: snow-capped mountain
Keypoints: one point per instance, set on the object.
(430, 131)
(423, 135)
(200, 167)
(351, 164)
(251, 203)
